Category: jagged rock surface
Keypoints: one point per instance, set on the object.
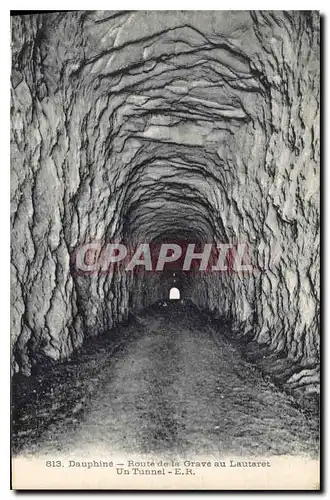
(135, 126)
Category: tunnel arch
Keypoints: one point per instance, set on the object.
(174, 294)
(213, 127)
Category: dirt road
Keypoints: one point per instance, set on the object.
(166, 384)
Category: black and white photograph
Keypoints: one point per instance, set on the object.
(165, 249)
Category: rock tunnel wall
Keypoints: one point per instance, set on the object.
(131, 126)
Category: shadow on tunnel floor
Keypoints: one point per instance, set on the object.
(190, 357)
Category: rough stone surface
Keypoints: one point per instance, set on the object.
(138, 126)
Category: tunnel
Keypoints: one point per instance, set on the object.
(180, 128)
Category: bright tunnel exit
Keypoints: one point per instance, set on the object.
(174, 294)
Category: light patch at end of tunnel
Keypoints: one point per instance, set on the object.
(174, 294)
